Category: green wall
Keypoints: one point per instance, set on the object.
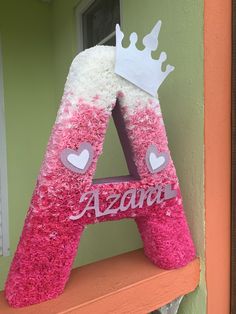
(40, 44)
(29, 103)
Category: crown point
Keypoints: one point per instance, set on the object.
(133, 38)
(119, 34)
(150, 41)
(163, 56)
(156, 29)
(169, 68)
(118, 27)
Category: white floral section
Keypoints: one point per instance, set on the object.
(92, 74)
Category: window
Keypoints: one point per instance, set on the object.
(4, 239)
(96, 21)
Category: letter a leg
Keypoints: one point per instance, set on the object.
(42, 263)
(49, 241)
(167, 240)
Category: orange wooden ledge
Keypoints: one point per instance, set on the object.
(128, 283)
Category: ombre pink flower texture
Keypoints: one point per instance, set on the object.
(50, 238)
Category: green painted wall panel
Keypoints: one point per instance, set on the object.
(25, 31)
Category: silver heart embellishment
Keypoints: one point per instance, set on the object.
(78, 160)
(155, 160)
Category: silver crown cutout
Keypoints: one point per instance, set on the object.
(138, 66)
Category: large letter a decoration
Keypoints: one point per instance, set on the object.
(66, 198)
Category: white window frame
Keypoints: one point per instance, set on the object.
(4, 228)
(80, 9)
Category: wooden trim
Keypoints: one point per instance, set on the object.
(79, 10)
(233, 212)
(128, 283)
(217, 78)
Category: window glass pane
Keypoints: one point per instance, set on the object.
(99, 21)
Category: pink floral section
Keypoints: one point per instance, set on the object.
(49, 241)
